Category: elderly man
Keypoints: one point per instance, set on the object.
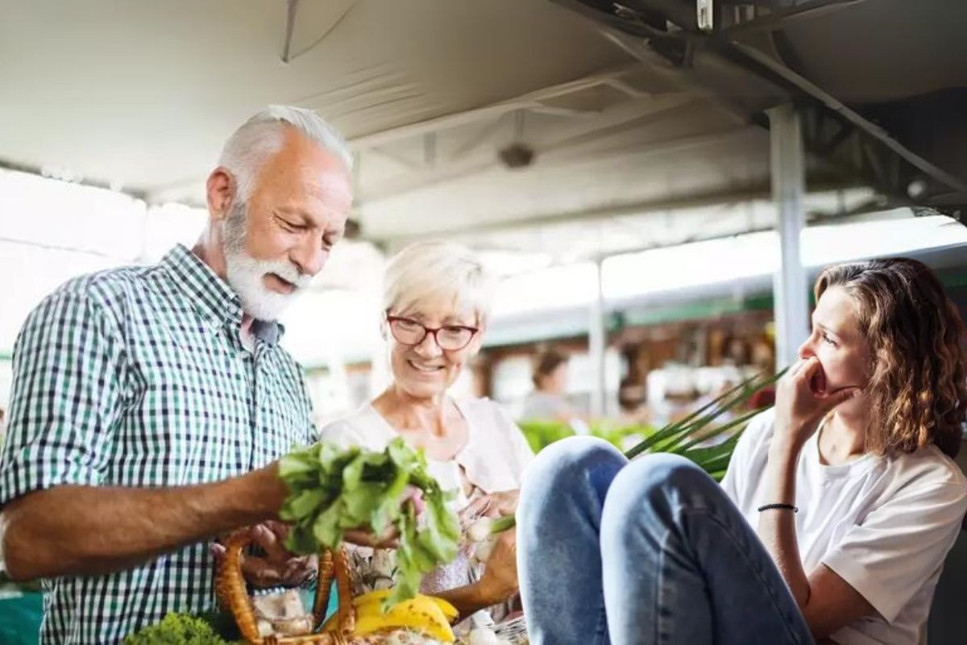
(149, 403)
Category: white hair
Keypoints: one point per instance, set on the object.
(261, 136)
(437, 271)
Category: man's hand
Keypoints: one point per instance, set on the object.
(278, 567)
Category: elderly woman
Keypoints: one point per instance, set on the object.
(436, 298)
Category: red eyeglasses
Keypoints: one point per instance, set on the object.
(448, 337)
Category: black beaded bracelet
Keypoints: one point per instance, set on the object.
(784, 507)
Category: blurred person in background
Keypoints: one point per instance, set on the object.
(632, 404)
(436, 304)
(548, 400)
(764, 360)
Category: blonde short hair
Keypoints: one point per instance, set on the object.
(437, 271)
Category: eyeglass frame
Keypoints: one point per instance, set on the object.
(428, 331)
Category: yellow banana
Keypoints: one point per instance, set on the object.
(449, 611)
(427, 614)
(419, 613)
(372, 596)
(366, 602)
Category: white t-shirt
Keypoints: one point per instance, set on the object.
(883, 524)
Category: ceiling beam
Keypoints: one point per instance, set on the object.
(757, 64)
(781, 18)
(292, 6)
(554, 150)
(811, 89)
(523, 102)
(760, 190)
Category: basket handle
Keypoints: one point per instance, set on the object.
(232, 593)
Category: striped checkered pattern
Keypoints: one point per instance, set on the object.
(138, 377)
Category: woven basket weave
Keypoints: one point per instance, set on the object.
(233, 595)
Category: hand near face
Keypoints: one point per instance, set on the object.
(803, 398)
(276, 566)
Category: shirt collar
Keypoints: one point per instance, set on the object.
(211, 295)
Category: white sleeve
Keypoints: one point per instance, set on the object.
(735, 482)
(521, 450)
(342, 434)
(504, 460)
(900, 545)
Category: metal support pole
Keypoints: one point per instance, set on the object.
(788, 185)
(596, 345)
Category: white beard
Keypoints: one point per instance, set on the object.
(245, 273)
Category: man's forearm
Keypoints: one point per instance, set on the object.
(85, 530)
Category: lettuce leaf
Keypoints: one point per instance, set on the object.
(332, 491)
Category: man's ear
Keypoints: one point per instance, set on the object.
(221, 187)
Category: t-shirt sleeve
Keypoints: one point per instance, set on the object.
(66, 399)
(520, 453)
(522, 449)
(342, 434)
(737, 474)
(901, 544)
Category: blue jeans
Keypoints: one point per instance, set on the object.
(650, 551)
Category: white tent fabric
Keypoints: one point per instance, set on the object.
(142, 94)
(429, 92)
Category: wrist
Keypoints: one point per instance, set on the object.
(490, 593)
(265, 492)
(784, 448)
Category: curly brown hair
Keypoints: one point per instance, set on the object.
(918, 384)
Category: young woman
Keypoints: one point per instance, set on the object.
(832, 522)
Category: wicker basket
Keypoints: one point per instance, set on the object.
(232, 594)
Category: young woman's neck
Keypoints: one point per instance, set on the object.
(407, 412)
(842, 439)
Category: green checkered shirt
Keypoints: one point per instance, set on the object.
(138, 377)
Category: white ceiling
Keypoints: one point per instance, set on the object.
(141, 95)
(144, 93)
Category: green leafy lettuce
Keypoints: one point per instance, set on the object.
(332, 491)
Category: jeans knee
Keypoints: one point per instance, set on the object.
(658, 477)
(571, 461)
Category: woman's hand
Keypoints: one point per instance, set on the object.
(492, 505)
(499, 580)
(802, 400)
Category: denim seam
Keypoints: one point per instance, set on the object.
(756, 570)
(659, 589)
